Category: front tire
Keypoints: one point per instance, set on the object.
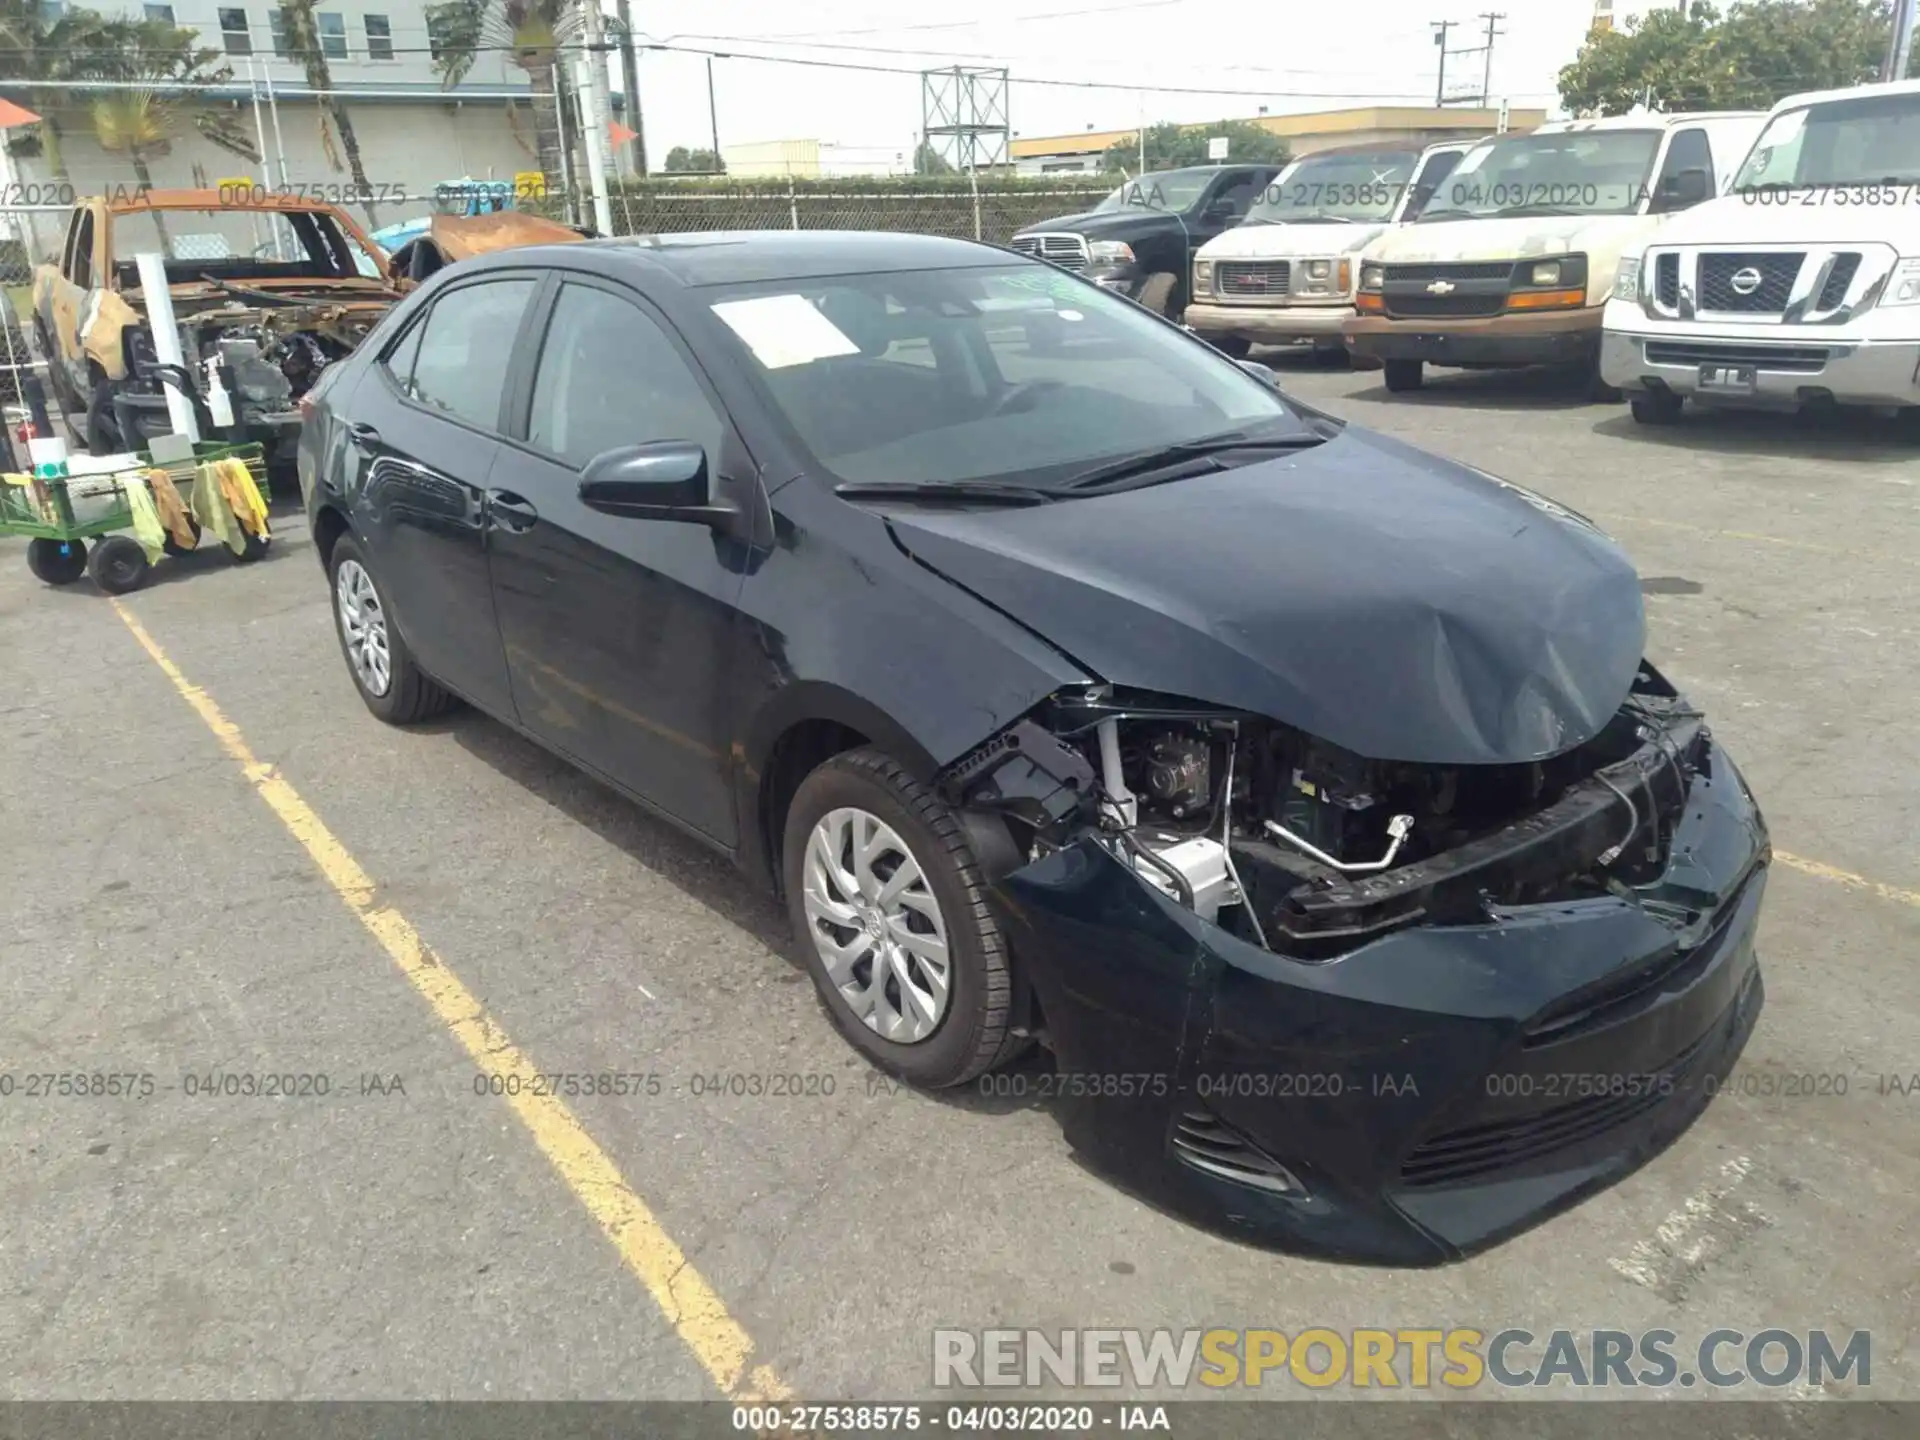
(889, 909)
(57, 562)
(1656, 407)
(394, 688)
(1403, 375)
(118, 564)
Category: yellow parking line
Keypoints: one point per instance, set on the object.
(690, 1304)
(1847, 878)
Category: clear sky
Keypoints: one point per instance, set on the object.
(1291, 56)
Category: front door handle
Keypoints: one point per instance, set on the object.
(510, 512)
(364, 435)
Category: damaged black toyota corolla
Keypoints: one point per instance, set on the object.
(1310, 797)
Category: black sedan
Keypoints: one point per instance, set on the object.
(1308, 796)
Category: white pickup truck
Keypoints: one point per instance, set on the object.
(1285, 274)
(1800, 286)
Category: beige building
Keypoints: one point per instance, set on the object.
(1067, 154)
(799, 158)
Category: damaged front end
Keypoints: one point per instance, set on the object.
(1373, 1009)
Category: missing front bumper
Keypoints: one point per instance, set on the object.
(1417, 1088)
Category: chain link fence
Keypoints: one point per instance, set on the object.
(29, 234)
(991, 212)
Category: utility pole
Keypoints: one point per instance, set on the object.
(713, 115)
(630, 82)
(1440, 29)
(1492, 17)
(1900, 44)
(598, 108)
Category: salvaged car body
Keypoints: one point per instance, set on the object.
(275, 287)
(1308, 795)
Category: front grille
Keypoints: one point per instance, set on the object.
(1466, 291)
(1451, 307)
(1203, 1141)
(1483, 270)
(1787, 359)
(1777, 271)
(1067, 251)
(1253, 277)
(1833, 294)
(1666, 280)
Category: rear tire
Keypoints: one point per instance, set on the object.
(118, 564)
(838, 908)
(174, 548)
(1656, 407)
(390, 683)
(1403, 375)
(57, 562)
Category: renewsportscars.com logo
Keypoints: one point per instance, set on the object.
(1458, 1358)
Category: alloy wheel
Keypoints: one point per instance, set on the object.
(363, 624)
(877, 926)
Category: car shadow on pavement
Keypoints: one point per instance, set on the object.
(1539, 388)
(1853, 437)
(705, 877)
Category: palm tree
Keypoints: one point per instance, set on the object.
(303, 41)
(71, 50)
(167, 71)
(532, 33)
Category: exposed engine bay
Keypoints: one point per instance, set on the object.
(1307, 849)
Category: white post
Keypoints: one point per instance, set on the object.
(260, 139)
(279, 140)
(596, 128)
(973, 183)
(158, 300)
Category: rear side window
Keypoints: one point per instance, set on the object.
(80, 256)
(459, 362)
(610, 377)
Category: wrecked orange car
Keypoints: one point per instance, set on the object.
(273, 288)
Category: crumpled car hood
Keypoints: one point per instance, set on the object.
(1399, 605)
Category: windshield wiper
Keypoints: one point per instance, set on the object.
(957, 491)
(1146, 462)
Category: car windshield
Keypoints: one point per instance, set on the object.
(1016, 374)
(1843, 142)
(1581, 172)
(1336, 187)
(1161, 190)
(236, 244)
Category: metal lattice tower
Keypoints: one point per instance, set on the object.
(963, 115)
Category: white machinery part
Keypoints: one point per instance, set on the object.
(1202, 862)
(157, 297)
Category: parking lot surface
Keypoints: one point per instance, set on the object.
(218, 865)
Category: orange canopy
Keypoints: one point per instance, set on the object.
(12, 115)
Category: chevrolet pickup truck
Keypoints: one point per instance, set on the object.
(1285, 274)
(1801, 286)
(1512, 263)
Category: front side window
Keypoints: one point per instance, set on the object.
(1015, 373)
(1351, 187)
(609, 377)
(1578, 172)
(161, 14)
(277, 27)
(1161, 190)
(379, 37)
(80, 250)
(1688, 150)
(465, 347)
(1429, 181)
(1868, 141)
(234, 32)
(333, 34)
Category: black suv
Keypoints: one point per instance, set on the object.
(1140, 239)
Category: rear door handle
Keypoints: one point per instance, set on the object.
(364, 435)
(510, 512)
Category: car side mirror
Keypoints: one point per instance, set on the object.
(1263, 373)
(1685, 187)
(665, 480)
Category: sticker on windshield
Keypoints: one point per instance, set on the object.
(784, 330)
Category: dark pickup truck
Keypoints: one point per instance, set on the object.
(1140, 239)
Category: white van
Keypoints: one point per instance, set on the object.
(1285, 274)
(1801, 285)
(1511, 263)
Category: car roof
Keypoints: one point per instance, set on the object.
(732, 257)
(1852, 92)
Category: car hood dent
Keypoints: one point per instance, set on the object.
(1398, 605)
